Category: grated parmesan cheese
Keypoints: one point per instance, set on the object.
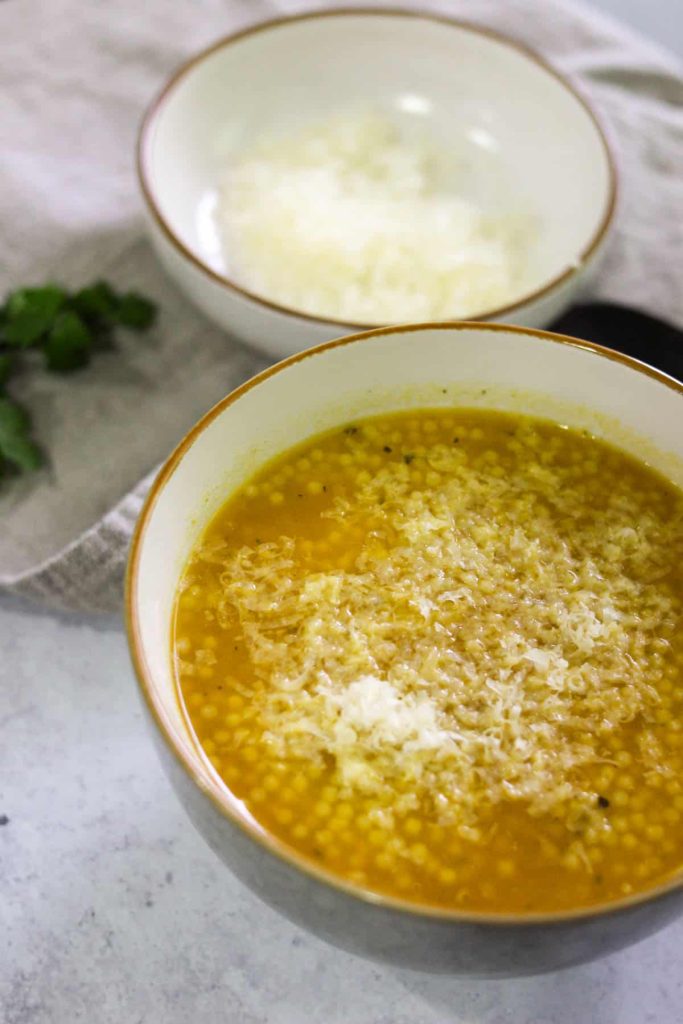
(351, 222)
(475, 650)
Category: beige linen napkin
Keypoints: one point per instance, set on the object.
(75, 79)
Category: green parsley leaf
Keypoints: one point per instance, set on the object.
(68, 327)
(29, 314)
(15, 443)
(5, 368)
(136, 312)
(97, 304)
(69, 344)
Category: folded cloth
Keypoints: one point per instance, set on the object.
(75, 79)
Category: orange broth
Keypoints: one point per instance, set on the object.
(439, 653)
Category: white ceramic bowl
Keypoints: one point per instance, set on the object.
(486, 366)
(494, 101)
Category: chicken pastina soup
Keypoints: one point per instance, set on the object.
(439, 653)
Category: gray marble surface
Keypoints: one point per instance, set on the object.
(113, 911)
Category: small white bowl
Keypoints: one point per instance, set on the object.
(488, 366)
(491, 99)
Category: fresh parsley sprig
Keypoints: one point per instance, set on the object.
(67, 327)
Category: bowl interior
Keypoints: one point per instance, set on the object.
(522, 139)
(485, 366)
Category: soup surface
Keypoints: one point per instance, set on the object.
(439, 653)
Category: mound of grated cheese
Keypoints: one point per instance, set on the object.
(348, 221)
(477, 650)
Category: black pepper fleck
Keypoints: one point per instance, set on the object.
(603, 801)
(4, 820)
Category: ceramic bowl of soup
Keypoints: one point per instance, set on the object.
(345, 169)
(405, 614)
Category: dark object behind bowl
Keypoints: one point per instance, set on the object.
(638, 334)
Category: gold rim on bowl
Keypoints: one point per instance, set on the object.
(157, 105)
(188, 755)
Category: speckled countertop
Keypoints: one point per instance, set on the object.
(113, 910)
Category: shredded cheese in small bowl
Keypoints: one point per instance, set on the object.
(350, 221)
